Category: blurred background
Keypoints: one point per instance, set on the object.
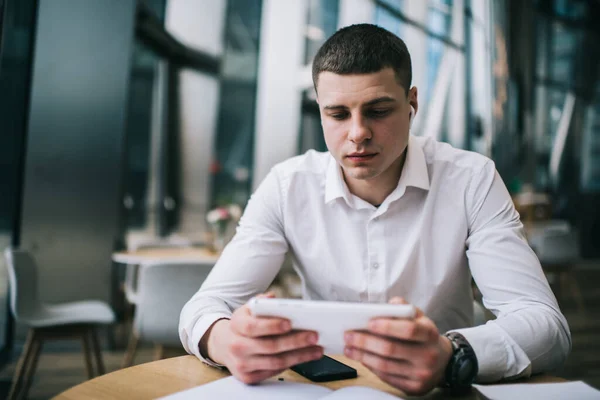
(123, 123)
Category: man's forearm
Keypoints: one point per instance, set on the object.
(530, 340)
(209, 346)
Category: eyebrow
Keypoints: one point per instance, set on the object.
(384, 99)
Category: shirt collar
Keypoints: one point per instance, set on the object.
(335, 186)
(414, 173)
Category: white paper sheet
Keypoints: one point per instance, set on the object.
(231, 388)
(359, 393)
(542, 391)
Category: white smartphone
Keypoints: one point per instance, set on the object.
(330, 319)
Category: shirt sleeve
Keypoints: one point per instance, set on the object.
(530, 334)
(247, 266)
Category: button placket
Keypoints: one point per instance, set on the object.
(374, 262)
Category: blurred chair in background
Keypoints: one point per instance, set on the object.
(74, 320)
(557, 247)
(162, 291)
(554, 241)
(130, 282)
(145, 242)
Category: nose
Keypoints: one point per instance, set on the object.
(359, 131)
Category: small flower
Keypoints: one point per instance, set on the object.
(232, 212)
(213, 216)
(235, 212)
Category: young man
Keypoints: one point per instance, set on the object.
(382, 217)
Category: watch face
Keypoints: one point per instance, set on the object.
(466, 372)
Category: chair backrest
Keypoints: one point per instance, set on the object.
(558, 247)
(22, 275)
(163, 290)
(132, 270)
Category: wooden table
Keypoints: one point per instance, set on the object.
(166, 254)
(164, 377)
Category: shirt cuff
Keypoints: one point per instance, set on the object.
(498, 355)
(198, 332)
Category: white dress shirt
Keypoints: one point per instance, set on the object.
(449, 218)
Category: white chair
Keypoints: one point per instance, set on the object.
(163, 290)
(557, 248)
(145, 242)
(49, 321)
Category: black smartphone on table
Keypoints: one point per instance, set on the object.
(325, 369)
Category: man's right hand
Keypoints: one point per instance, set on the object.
(256, 348)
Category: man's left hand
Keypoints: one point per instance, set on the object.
(408, 354)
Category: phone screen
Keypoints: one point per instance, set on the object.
(324, 370)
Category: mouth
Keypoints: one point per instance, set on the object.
(361, 157)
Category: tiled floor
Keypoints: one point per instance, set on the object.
(61, 365)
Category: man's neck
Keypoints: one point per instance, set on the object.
(376, 190)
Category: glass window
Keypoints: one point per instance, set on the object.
(138, 137)
(311, 131)
(570, 8)
(17, 35)
(395, 4)
(234, 151)
(387, 20)
(438, 21)
(322, 23)
(563, 52)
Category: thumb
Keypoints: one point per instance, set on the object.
(268, 295)
(401, 300)
(398, 300)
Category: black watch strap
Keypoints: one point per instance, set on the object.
(462, 368)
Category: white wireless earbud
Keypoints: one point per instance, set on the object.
(411, 117)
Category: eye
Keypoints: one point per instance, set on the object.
(378, 112)
(339, 116)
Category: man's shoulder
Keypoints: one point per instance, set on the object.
(444, 156)
(312, 164)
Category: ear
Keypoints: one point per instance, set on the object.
(413, 100)
(414, 105)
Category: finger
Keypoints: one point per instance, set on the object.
(419, 355)
(421, 329)
(398, 300)
(245, 346)
(279, 361)
(379, 345)
(380, 363)
(283, 343)
(409, 386)
(255, 376)
(268, 295)
(401, 300)
(245, 324)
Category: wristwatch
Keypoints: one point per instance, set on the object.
(462, 368)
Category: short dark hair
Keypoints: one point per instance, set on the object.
(363, 49)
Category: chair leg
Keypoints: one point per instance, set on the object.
(21, 365)
(131, 350)
(85, 341)
(159, 352)
(563, 282)
(31, 367)
(93, 334)
(576, 292)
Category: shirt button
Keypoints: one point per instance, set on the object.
(375, 265)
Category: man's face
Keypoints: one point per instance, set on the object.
(365, 119)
